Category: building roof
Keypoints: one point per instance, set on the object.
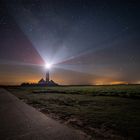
(41, 81)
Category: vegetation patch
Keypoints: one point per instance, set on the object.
(104, 112)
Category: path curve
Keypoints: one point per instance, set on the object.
(19, 121)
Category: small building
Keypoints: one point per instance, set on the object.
(42, 82)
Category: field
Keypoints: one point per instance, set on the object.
(103, 112)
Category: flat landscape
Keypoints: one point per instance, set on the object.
(103, 112)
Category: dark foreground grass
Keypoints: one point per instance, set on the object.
(100, 111)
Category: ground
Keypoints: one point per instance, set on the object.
(104, 112)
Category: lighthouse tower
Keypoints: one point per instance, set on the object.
(47, 76)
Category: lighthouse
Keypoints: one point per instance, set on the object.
(47, 81)
(47, 76)
(48, 66)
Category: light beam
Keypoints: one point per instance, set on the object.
(48, 66)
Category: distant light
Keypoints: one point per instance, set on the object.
(48, 66)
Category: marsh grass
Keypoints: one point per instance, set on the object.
(104, 112)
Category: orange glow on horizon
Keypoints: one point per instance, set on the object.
(61, 79)
(108, 82)
(118, 82)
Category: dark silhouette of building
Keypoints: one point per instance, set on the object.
(42, 82)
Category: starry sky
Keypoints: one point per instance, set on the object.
(86, 41)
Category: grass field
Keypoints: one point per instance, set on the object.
(104, 112)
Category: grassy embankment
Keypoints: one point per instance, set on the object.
(104, 112)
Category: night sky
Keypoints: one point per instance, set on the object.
(87, 41)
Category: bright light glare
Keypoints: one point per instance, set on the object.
(48, 66)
